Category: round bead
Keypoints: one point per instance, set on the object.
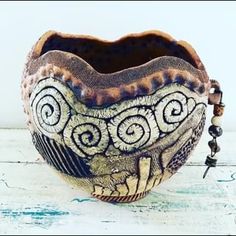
(211, 161)
(215, 131)
(216, 120)
(213, 146)
(218, 109)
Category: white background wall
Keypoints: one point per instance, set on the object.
(209, 26)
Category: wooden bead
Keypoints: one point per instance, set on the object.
(215, 131)
(218, 109)
(216, 120)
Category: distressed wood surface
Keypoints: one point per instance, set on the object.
(34, 199)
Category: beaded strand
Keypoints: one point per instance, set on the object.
(215, 131)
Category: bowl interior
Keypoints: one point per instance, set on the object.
(108, 57)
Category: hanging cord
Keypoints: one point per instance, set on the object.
(215, 129)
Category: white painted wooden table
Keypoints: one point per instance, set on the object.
(34, 199)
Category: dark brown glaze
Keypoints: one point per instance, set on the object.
(135, 65)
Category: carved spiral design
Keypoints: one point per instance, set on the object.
(171, 110)
(89, 131)
(86, 135)
(50, 110)
(133, 129)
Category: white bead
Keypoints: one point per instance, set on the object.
(216, 120)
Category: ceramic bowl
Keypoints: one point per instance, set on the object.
(116, 118)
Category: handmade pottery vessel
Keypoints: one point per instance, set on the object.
(117, 118)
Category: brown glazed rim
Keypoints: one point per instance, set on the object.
(41, 42)
(99, 89)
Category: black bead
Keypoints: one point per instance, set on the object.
(213, 146)
(215, 131)
(210, 161)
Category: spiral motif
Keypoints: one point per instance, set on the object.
(133, 128)
(86, 135)
(50, 110)
(129, 126)
(172, 110)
